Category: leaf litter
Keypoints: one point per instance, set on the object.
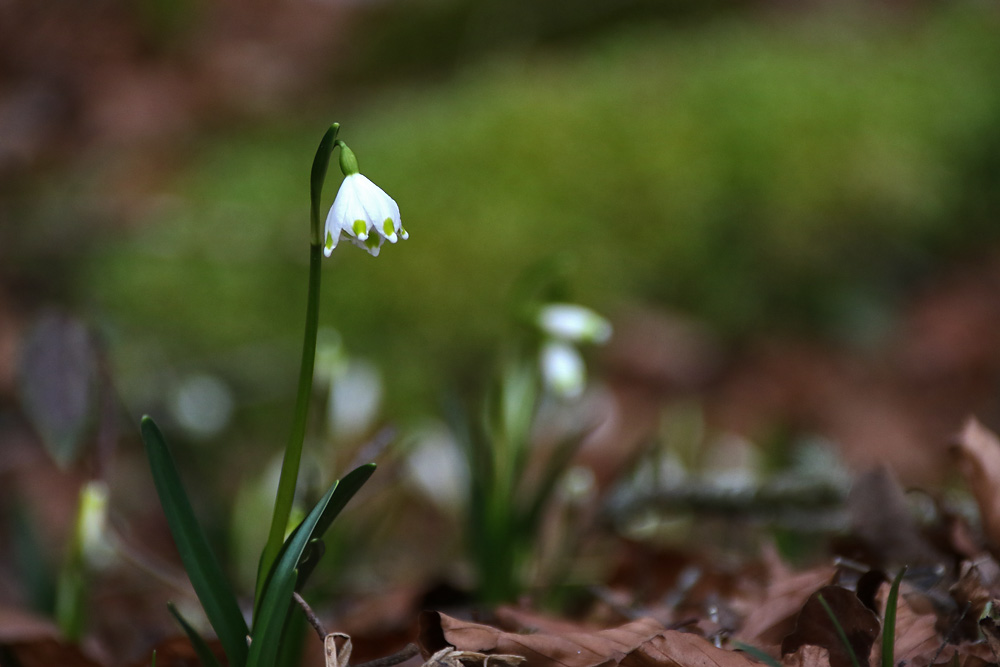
(666, 607)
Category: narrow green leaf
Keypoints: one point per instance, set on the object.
(349, 485)
(840, 630)
(293, 638)
(889, 622)
(342, 492)
(273, 616)
(276, 597)
(554, 470)
(203, 569)
(201, 648)
(757, 654)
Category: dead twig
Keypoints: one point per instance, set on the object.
(311, 617)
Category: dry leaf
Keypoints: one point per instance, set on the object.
(682, 649)
(992, 634)
(449, 657)
(769, 622)
(45, 653)
(881, 519)
(815, 627)
(337, 656)
(979, 463)
(807, 656)
(31, 641)
(643, 643)
(971, 598)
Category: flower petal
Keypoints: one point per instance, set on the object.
(359, 207)
(562, 369)
(571, 322)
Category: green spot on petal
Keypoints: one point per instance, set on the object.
(387, 227)
(329, 241)
(371, 242)
(360, 229)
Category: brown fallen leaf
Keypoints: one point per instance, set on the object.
(992, 634)
(979, 463)
(642, 643)
(774, 618)
(683, 649)
(30, 641)
(815, 627)
(178, 652)
(971, 597)
(449, 657)
(807, 656)
(882, 521)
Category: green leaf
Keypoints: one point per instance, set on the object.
(201, 648)
(556, 467)
(203, 569)
(311, 551)
(349, 485)
(889, 622)
(276, 597)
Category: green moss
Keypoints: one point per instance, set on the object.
(754, 174)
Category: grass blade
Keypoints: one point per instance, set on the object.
(203, 569)
(757, 654)
(840, 630)
(201, 648)
(889, 622)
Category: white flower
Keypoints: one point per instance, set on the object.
(570, 322)
(562, 368)
(360, 207)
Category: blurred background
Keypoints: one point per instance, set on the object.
(787, 210)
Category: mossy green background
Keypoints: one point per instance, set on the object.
(756, 172)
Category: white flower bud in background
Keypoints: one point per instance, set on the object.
(563, 371)
(355, 398)
(91, 524)
(573, 323)
(437, 467)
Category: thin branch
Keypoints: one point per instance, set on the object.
(311, 617)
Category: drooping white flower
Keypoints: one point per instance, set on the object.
(563, 371)
(574, 323)
(360, 207)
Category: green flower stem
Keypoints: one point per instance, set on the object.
(293, 451)
(320, 164)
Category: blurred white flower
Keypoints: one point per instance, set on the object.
(91, 524)
(437, 468)
(360, 207)
(203, 405)
(574, 323)
(355, 398)
(563, 371)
